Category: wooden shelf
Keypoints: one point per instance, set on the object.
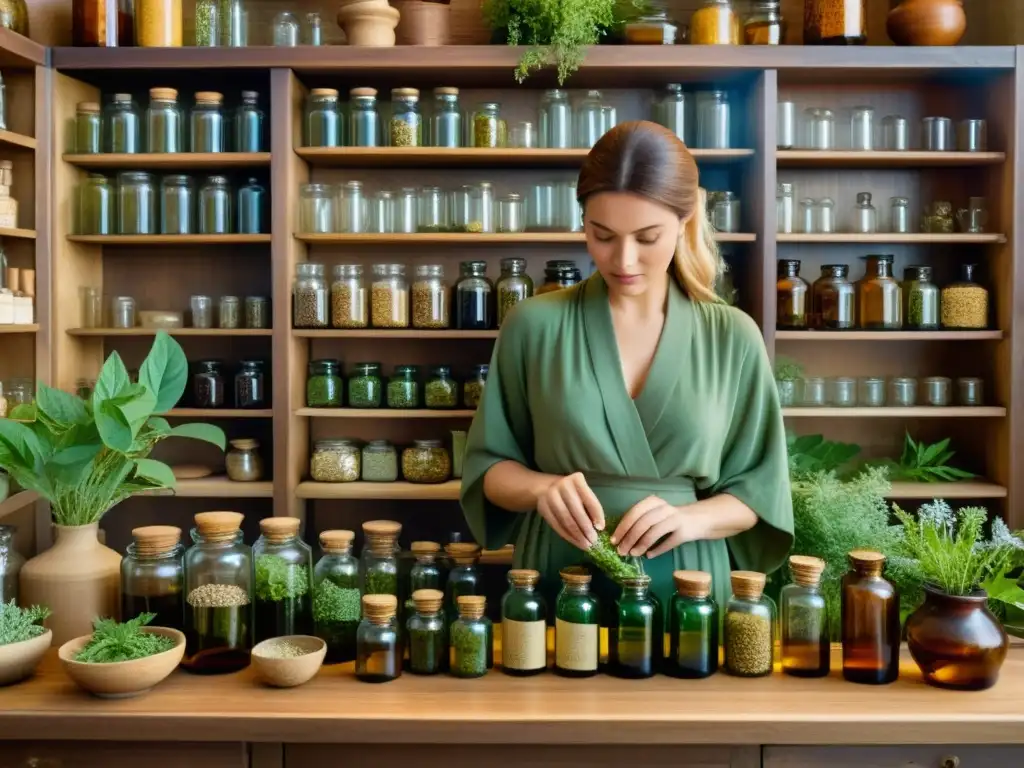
(170, 160)
(17, 502)
(168, 239)
(969, 489)
(12, 139)
(20, 52)
(887, 412)
(220, 413)
(18, 232)
(398, 333)
(476, 239)
(448, 491)
(465, 157)
(384, 413)
(218, 487)
(888, 335)
(501, 556)
(800, 158)
(229, 332)
(24, 328)
(891, 238)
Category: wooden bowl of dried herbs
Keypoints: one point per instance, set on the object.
(285, 662)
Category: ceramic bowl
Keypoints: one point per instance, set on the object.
(19, 660)
(368, 24)
(287, 673)
(121, 679)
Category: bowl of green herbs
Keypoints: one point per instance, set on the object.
(23, 641)
(119, 660)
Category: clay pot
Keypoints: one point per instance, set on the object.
(423, 23)
(290, 672)
(956, 641)
(19, 660)
(121, 679)
(927, 22)
(369, 24)
(77, 578)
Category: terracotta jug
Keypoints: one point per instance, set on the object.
(927, 22)
(77, 578)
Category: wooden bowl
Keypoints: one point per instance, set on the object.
(122, 679)
(19, 660)
(368, 24)
(288, 673)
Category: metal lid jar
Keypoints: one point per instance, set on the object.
(323, 384)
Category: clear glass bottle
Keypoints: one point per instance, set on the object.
(903, 392)
(365, 387)
(446, 119)
(808, 219)
(404, 387)
(176, 205)
(899, 215)
(523, 625)
(208, 384)
(587, 120)
(152, 576)
(406, 211)
(427, 633)
(464, 577)
(430, 298)
(765, 24)
(252, 208)
(821, 129)
(870, 621)
(714, 120)
(201, 311)
(257, 312)
(406, 126)
(389, 297)
(512, 287)
(88, 128)
(378, 564)
(336, 600)
(250, 389)
(316, 209)
(835, 22)
(426, 572)
(791, 296)
(862, 129)
(673, 108)
(286, 30)
(879, 299)
(693, 627)
(511, 216)
(215, 215)
(136, 203)
(484, 209)
(350, 208)
(965, 302)
(427, 462)
(804, 645)
(11, 563)
(785, 208)
(349, 305)
(248, 128)
(122, 126)
(122, 312)
(834, 299)
(471, 635)
(208, 129)
(335, 461)
(165, 126)
(309, 296)
(380, 462)
(431, 215)
(382, 213)
(555, 120)
(324, 385)
(749, 627)
(441, 390)
(234, 23)
(635, 634)
(474, 297)
(283, 565)
(473, 388)
(489, 128)
(716, 22)
(577, 626)
(243, 461)
(920, 299)
(321, 124)
(865, 217)
(218, 595)
(378, 650)
(313, 32)
(825, 215)
(364, 120)
(96, 206)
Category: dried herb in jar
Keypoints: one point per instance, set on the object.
(381, 583)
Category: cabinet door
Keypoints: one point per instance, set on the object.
(111, 754)
(894, 757)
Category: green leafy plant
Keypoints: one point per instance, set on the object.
(921, 463)
(606, 557)
(277, 579)
(20, 624)
(112, 642)
(813, 454)
(87, 455)
(787, 369)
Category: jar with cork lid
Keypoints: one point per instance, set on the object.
(749, 627)
(426, 571)
(153, 576)
(122, 126)
(378, 654)
(805, 632)
(471, 644)
(164, 122)
(692, 627)
(425, 629)
(284, 580)
(208, 130)
(87, 128)
(218, 595)
(636, 637)
(243, 462)
(336, 600)
(870, 621)
(378, 565)
(577, 625)
(464, 576)
(523, 625)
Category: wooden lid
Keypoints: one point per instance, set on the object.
(191, 471)
(245, 444)
(211, 97)
(405, 93)
(523, 577)
(446, 91)
(166, 94)
(87, 106)
(355, 92)
(336, 541)
(867, 559)
(575, 574)
(428, 600)
(747, 584)
(279, 528)
(156, 539)
(324, 92)
(472, 606)
(218, 525)
(425, 548)
(379, 608)
(463, 552)
(806, 570)
(383, 528)
(692, 583)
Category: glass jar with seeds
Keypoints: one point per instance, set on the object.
(380, 462)
(336, 606)
(489, 128)
(636, 634)
(249, 388)
(248, 124)
(218, 595)
(165, 126)
(474, 297)
(920, 299)
(243, 462)
(464, 577)
(309, 296)
(321, 122)
(577, 625)
(749, 627)
(523, 625)
(121, 125)
(283, 580)
(805, 633)
(471, 651)
(201, 311)
(692, 627)
(152, 575)
(870, 621)
(252, 208)
(404, 387)
(430, 307)
(324, 385)
(426, 461)
(176, 205)
(365, 389)
(207, 125)
(88, 128)
(473, 388)
(431, 216)
(965, 302)
(513, 286)
(378, 650)
(446, 119)
(406, 126)
(378, 563)
(136, 204)
(257, 312)
(348, 297)
(207, 24)
(364, 120)
(389, 297)
(335, 461)
(228, 312)
(95, 215)
(441, 390)
(425, 630)
(208, 384)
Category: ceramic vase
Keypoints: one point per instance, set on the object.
(956, 641)
(78, 579)
(927, 22)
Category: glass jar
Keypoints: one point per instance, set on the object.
(208, 131)
(11, 563)
(474, 305)
(426, 461)
(430, 304)
(813, 389)
(464, 577)
(404, 388)
(382, 213)
(862, 129)
(322, 119)
(309, 296)
(348, 297)
(821, 129)
(430, 210)
(406, 126)
(522, 135)
(870, 621)
(473, 389)
(523, 625)
(201, 311)
(842, 392)
(313, 33)
(714, 120)
(425, 572)
(136, 203)
(804, 645)
(879, 298)
(835, 22)
(122, 312)
(970, 391)
(122, 126)
(785, 208)
(899, 215)
(765, 25)
(257, 312)
(446, 119)
(283, 565)
(920, 299)
(176, 205)
(588, 120)
(389, 297)
(336, 603)
(825, 216)
(937, 391)
(87, 128)
(693, 627)
(350, 208)
(252, 208)
(965, 302)
(158, 23)
(208, 384)
(833, 299)
(938, 218)
(559, 275)
(323, 384)
(903, 392)
(335, 461)
(378, 564)
(441, 390)
(316, 209)
(725, 213)
(364, 120)
(365, 389)
(207, 33)
(378, 650)
(673, 108)
(215, 207)
(96, 206)
(248, 124)
(380, 462)
(555, 120)
(218, 595)
(285, 32)
(406, 211)
(511, 217)
(635, 632)
(243, 462)
(749, 627)
(471, 636)
(513, 286)
(715, 23)
(895, 133)
(791, 292)
(249, 388)
(808, 216)
(165, 126)
(426, 631)
(865, 217)
(484, 213)
(577, 626)
(20, 392)
(871, 391)
(489, 128)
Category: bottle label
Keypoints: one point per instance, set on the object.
(576, 646)
(524, 644)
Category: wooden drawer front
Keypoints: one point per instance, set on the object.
(111, 754)
(894, 757)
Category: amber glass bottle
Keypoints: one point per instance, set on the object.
(805, 648)
(870, 622)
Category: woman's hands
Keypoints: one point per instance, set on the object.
(570, 507)
(647, 523)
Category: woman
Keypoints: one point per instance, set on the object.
(635, 394)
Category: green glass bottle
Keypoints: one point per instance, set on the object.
(463, 577)
(471, 639)
(524, 639)
(577, 626)
(693, 627)
(634, 642)
(427, 639)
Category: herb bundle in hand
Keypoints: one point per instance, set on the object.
(605, 556)
(112, 642)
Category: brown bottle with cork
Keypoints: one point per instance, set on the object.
(870, 621)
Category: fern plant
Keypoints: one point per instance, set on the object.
(20, 624)
(112, 642)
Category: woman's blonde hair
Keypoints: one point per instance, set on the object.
(649, 160)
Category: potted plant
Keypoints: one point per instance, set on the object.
(85, 456)
(787, 374)
(953, 637)
(23, 640)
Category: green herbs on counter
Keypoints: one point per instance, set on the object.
(113, 642)
(20, 624)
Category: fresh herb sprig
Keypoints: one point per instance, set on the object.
(277, 579)
(606, 557)
(112, 642)
(20, 624)
(923, 463)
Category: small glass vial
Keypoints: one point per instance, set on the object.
(511, 216)
(208, 129)
(382, 213)
(252, 208)
(122, 312)
(350, 208)
(635, 638)
(283, 580)
(577, 626)
(426, 632)
(322, 119)
(821, 129)
(791, 296)
(406, 211)
(842, 392)
(431, 215)
(165, 126)
(257, 312)
(426, 572)
(804, 645)
(965, 302)
(813, 392)
(870, 621)
(692, 627)
(378, 564)
(903, 392)
(404, 388)
(250, 391)
(365, 387)
(970, 391)
(825, 216)
(879, 299)
(349, 305)
(380, 462)
(96, 206)
(785, 208)
(309, 296)
(808, 216)
(556, 130)
(446, 120)
(430, 304)
(335, 461)
(714, 120)
(136, 203)
(208, 384)
(937, 391)
(316, 209)
(474, 297)
(122, 126)
(749, 627)
(464, 577)
(88, 128)
(899, 215)
(176, 205)
(248, 124)
(243, 462)
(152, 576)
(523, 625)
(862, 129)
(286, 30)
(201, 311)
(313, 32)
(471, 636)
(215, 215)
(871, 391)
(389, 297)
(406, 126)
(336, 602)
(378, 650)
(512, 287)
(865, 217)
(920, 299)
(364, 120)
(489, 128)
(833, 299)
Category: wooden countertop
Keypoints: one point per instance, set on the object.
(546, 709)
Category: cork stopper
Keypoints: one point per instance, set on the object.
(428, 600)
(245, 444)
(163, 94)
(472, 606)
(866, 560)
(336, 541)
(405, 93)
(463, 552)
(279, 528)
(425, 548)
(356, 92)
(446, 91)
(575, 574)
(381, 535)
(324, 92)
(523, 577)
(636, 581)
(122, 97)
(209, 97)
(87, 106)
(747, 584)
(156, 539)
(219, 526)
(806, 570)
(692, 583)
(380, 609)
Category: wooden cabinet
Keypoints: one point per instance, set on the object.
(110, 754)
(893, 757)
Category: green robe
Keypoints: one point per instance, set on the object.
(706, 422)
